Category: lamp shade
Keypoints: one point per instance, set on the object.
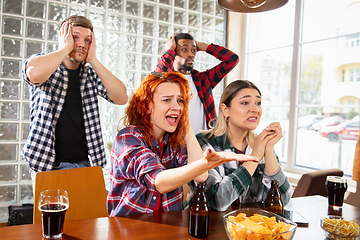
(238, 5)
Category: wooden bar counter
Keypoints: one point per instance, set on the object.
(173, 225)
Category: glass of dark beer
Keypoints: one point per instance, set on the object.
(53, 205)
(336, 187)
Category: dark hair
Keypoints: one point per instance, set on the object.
(79, 21)
(183, 36)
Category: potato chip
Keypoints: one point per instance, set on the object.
(257, 227)
(341, 227)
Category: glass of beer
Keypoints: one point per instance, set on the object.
(53, 205)
(336, 187)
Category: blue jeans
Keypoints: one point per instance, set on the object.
(61, 166)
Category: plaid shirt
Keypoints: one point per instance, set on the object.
(231, 181)
(134, 167)
(46, 102)
(207, 80)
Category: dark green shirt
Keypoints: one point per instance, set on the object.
(231, 181)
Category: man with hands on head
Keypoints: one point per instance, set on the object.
(180, 53)
(65, 127)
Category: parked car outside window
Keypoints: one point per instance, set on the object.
(348, 130)
(305, 122)
(327, 121)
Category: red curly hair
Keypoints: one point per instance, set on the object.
(137, 111)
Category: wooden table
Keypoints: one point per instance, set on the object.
(173, 225)
(312, 208)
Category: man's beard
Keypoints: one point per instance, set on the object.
(186, 68)
(74, 60)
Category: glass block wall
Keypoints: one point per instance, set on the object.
(130, 37)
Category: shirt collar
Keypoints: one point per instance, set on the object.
(155, 143)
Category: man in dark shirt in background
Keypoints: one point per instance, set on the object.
(65, 127)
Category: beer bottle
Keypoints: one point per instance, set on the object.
(199, 213)
(273, 201)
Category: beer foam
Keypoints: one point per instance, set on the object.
(51, 210)
(336, 179)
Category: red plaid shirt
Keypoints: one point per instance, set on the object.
(207, 80)
(134, 167)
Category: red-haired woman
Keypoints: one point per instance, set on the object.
(157, 152)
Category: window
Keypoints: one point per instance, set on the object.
(355, 75)
(352, 41)
(357, 78)
(306, 62)
(130, 38)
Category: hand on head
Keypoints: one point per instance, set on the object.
(218, 158)
(170, 43)
(201, 46)
(66, 39)
(92, 49)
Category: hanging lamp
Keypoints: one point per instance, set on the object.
(248, 6)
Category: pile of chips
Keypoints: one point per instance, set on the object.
(257, 227)
(342, 227)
